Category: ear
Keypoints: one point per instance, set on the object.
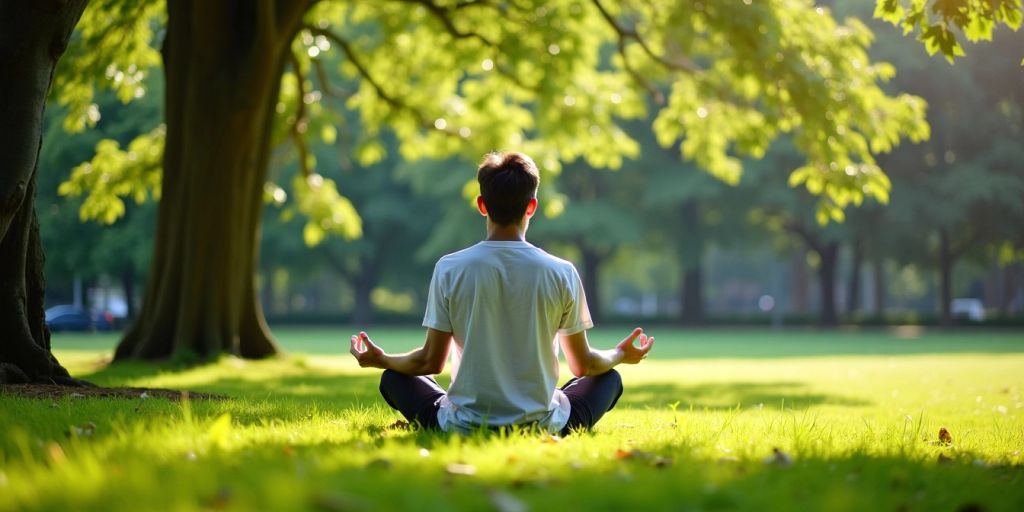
(480, 206)
(531, 207)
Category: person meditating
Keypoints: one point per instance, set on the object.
(506, 305)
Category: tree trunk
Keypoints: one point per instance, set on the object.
(1009, 289)
(946, 262)
(800, 283)
(878, 276)
(691, 254)
(693, 296)
(223, 63)
(853, 289)
(363, 284)
(128, 283)
(592, 260)
(827, 281)
(33, 36)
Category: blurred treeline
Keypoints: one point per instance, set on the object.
(657, 239)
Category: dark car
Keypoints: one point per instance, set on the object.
(68, 318)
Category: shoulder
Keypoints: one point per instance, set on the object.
(456, 259)
(562, 267)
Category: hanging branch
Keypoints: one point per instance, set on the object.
(624, 34)
(395, 102)
(300, 115)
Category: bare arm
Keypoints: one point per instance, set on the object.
(585, 360)
(426, 360)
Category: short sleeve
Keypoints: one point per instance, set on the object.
(576, 314)
(437, 315)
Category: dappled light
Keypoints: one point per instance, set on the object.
(349, 255)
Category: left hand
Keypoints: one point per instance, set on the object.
(366, 353)
(632, 354)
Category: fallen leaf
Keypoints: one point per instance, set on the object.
(505, 502)
(551, 439)
(85, 429)
(56, 453)
(221, 500)
(288, 450)
(621, 454)
(944, 436)
(779, 458)
(460, 469)
(337, 503)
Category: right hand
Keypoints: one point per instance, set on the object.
(632, 354)
(366, 353)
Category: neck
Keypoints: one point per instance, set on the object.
(510, 233)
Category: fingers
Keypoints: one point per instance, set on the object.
(645, 345)
(645, 348)
(632, 337)
(365, 338)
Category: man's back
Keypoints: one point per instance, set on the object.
(504, 302)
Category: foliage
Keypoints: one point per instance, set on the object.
(557, 80)
(114, 173)
(855, 415)
(938, 21)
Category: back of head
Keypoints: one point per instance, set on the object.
(508, 181)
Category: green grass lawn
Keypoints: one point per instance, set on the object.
(854, 415)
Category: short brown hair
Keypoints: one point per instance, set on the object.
(508, 180)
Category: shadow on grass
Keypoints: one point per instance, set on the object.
(726, 396)
(305, 388)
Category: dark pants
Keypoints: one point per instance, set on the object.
(418, 398)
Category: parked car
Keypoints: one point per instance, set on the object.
(68, 318)
(969, 309)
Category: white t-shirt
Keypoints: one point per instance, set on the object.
(504, 302)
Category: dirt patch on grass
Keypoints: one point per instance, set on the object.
(50, 391)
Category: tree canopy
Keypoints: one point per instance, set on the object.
(555, 79)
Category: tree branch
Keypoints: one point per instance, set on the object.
(798, 229)
(395, 102)
(624, 34)
(325, 83)
(442, 15)
(629, 33)
(300, 115)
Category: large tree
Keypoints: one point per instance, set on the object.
(461, 77)
(33, 36)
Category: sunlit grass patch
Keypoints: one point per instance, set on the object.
(852, 431)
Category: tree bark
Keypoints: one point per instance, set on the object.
(946, 261)
(798, 295)
(691, 253)
(878, 276)
(33, 36)
(829, 254)
(693, 296)
(223, 63)
(128, 283)
(363, 284)
(853, 285)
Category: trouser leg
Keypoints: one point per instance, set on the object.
(590, 398)
(416, 397)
